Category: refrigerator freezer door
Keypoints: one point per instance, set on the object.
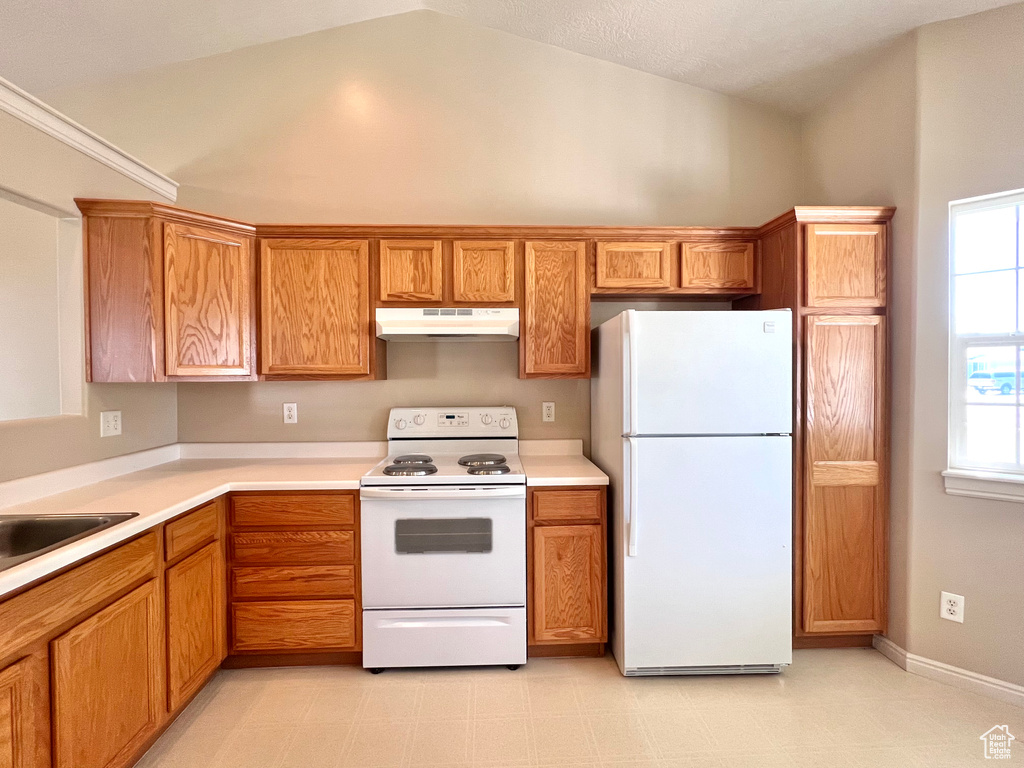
(708, 373)
(709, 588)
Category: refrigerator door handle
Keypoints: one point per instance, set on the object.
(634, 493)
(631, 329)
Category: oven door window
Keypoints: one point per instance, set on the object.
(418, 536)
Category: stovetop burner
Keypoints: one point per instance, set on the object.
(413, 458)
(409, 470)
(489, 469)
(483, 460)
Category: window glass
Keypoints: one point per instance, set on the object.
(987, 331)
(985, 240)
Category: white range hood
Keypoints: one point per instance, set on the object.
(448, 323)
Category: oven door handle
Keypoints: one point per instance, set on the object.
(444, 494)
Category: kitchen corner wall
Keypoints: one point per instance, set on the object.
(423, 118)
(936, 119)
(37, 168)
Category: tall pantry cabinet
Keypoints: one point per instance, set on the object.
(830, 266)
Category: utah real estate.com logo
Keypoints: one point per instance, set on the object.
(998, 741)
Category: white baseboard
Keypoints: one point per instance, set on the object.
(974, 682)
(26, 489)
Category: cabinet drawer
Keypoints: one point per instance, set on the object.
(294, 625)
(293, 548)
(319, 510)
(190, 532)
(294, 581)
(579, 506)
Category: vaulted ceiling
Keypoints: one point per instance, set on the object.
(787, 53)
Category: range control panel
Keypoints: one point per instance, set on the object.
(460, 422)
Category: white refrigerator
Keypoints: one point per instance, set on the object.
(692, 415)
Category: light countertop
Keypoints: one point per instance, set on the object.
(558, 469)
(162, 492)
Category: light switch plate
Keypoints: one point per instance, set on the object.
(110, 423)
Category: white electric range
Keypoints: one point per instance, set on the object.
(443, 541)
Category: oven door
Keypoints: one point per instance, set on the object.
(443, 547)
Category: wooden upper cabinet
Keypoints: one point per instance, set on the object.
(25, 714)
(845, 265)
(315, 307)
(845, 447)
(555, 337)
(196, 617)
(569, 584)
(725, 265)
(633, 265)
(410, 270)
(207, 302)
(108, 682)
(484, 271)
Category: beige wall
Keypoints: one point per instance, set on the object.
(423, 118)
(936, 120)
(860, 148)
(971, 142)
(50, 174)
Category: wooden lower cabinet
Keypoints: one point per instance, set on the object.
(108, 683)
(195, 622)
(568, 584)
(294, 573)
(568, 568)
(294, 625)
(25, 713)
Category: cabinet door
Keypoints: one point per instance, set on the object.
(207, 302)
(568, 584)
(195, 622)
(410, 270)
(315, 307)
(845, 475)
(633, 265)
(484, 271)
(108, 682)
(845, 265)
(25, 714)
(718, 265)
(555, 340)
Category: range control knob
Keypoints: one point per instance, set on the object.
(504, 423)
(399, 423)
(486, 419)
(418, 419)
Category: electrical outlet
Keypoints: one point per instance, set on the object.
(951, 607)
(548, 412)
(291, 413)
(110, 423)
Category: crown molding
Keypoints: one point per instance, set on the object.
(31, 111)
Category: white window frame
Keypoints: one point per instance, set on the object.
(962, 478)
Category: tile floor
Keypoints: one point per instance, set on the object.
(832, 708)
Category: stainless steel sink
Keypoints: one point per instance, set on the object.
(23, 537)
